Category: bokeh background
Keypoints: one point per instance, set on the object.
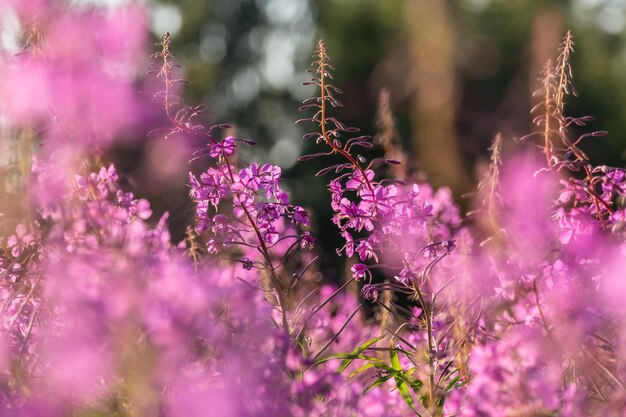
(458, 72)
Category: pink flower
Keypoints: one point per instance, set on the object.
(359, 271)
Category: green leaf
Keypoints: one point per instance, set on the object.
(364, 368)
(401, 379)
(345, 356)
(358, 351)
(452, 383)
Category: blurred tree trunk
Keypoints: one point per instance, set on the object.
(433, 105)
(546, 35)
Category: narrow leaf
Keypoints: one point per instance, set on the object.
(401, 383)
(358, 351)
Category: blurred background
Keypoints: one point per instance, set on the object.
(457, 72)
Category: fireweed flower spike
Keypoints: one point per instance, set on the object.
(256, 206)
(378, 218)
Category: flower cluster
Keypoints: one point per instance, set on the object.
(515, 375)
(258, 203)
(375, 216)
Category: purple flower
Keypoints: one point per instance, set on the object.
(241, 201)
(307, 241)
(108, 176)
(267, 213)
(357, 181)
(370, 292)
(336, 191)
(270, 235)
(348, 248)
(406, 277)
(356, 214)
(365, 249)
(300, 216)
(359, 271)
(383, 198)
(226, 147)
(20, 241)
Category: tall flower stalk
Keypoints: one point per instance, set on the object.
(258, 205)
(379, 218)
